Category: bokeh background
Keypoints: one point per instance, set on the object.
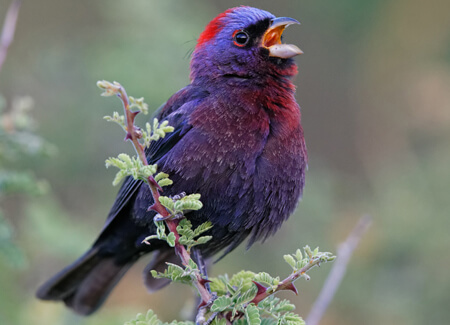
(374, 86)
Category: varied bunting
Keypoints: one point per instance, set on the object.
(237, 141)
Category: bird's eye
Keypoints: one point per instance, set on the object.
(241, 38)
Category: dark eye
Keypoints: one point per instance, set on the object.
(241, 38)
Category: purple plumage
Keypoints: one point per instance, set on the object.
(238, 142)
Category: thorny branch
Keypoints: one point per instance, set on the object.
(134, 133)
(288, 283)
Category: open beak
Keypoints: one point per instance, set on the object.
(272, 39)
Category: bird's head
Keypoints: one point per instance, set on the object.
(243, 43)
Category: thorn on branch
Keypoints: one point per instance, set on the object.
(154, 183)
(260, 287)
(291, 287)
(204, 281)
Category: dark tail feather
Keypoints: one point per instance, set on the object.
(159, 264)
(84, 285)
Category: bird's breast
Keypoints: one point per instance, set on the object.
(248, 165)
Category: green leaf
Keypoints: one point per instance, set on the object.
(109, 88)
(218, 284)
(202, 228)
(165, 182)
(316, 251)
(175, 273)
(221, 303)
(293, 319)
(139, 104)
(160, 176)
(139, 322)
(269, 303)
(252, 315)
(243, 279)
(308, 251)
(284, 306)
(116, 118)
(119, 176)
(216, 321)
(186, 242)
(116, 163)
(171, 239)
(148, 170)
(187, 204)
(184, 229)
(126, 159)
(192, 264)
(247, 295)
(194, 196)
(166, 202)
(203, 240)
(185, 223)
(290, 260)
(152, 318)
(264, 278)
(232, 290)
(149, 319)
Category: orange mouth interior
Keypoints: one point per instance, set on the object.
(273, 36)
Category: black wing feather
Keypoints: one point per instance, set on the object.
(172, 111)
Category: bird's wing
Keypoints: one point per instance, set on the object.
(176, 110)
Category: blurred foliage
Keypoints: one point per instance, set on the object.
(18, 143)
(374, 86)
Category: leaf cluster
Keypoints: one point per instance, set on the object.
(310, 257)
(139, 104)
(236, 294)
(187, 237)
(130, 166)
(134, 166)
(181, 204)
(152, 319)
(176, 273)
(280, 311)
(161, 234)
(155, 132)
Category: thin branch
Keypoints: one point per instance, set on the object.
(134, 134)
(344, 253)
(9, 27)
(288, 283)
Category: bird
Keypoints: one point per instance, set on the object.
(237, 140)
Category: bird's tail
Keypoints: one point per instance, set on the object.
(85, 284)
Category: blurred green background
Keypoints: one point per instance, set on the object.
(374, 86)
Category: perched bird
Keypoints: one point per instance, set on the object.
(237, 141)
